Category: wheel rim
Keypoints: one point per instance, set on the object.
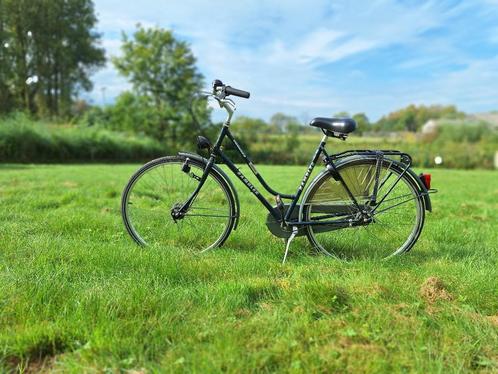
(396, 221)
(154, 192)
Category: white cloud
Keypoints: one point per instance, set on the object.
(278, 49)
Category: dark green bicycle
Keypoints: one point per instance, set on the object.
(363, 203)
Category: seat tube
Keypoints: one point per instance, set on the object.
(306, 176)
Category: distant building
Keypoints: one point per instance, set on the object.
(430, 127)
(488, 117)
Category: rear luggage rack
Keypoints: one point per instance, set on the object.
(405, 158)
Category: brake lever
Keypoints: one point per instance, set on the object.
(203, 94)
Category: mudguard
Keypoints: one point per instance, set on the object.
(216, 169)
(423, 189)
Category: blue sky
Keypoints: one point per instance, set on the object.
(316, 58)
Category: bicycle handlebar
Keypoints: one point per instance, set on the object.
(236, 92)
(227, 90)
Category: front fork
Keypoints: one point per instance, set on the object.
(180, 209)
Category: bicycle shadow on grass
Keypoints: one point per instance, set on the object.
(303, 251)
(411, 258)
(300, 249)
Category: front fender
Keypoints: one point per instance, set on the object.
(216, 169)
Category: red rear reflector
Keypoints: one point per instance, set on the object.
(426, 180)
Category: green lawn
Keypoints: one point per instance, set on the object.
(77, 295)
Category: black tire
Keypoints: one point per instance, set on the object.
(157, 198)
(344, 243)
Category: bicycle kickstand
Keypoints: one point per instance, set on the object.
(291, 237)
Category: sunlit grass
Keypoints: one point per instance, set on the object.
(77, 295)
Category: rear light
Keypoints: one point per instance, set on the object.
(426, 180)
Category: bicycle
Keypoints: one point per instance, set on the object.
(364, 202)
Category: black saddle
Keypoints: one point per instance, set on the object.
(335, 125)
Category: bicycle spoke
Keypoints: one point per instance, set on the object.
(396, 198)
(160, 189)
(394, 206)
(380, 238)
(211, 209)
(207, 215)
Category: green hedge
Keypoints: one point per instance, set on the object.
(460, 155)
(23, 140)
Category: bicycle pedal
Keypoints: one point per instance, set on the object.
(280, 203)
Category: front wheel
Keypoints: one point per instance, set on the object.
(163, 185)
(393, 226)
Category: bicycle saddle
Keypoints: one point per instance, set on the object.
(335, 124)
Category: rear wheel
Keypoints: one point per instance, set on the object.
(163, 185)
(395, 224)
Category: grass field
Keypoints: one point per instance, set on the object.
(77, 295)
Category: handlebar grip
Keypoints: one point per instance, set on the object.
(236, 92)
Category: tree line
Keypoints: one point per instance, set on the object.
(50, 48)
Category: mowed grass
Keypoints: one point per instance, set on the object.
(77, 295)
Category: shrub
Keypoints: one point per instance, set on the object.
(22, 140)
(465, 132)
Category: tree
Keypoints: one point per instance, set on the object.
(292, 137)
(413, 117)
(134, 113)
(250, 128)
(281, 122)
(409, 119)
(6, 98)
(53, 49)
(163, 73)
(363, 123)
(341, 114)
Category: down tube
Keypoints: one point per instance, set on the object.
(249, 185)
(255, 171)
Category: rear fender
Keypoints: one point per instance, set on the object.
(422, 189)
(221, 174)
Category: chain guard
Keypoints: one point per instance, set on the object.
(276, 228)
(285, 232)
